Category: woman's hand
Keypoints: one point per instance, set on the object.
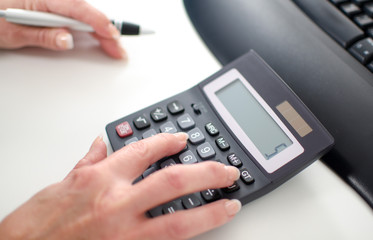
(13, 36)
(97, 200)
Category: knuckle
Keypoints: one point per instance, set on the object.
(218, 172)
(139, 148)
(215, 169)
(81, 178)
(175, 179)
(42, 37)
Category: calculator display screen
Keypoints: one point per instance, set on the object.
(252, 120)
(268, 137)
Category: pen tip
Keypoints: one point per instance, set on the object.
(2, 13)
(146, 31)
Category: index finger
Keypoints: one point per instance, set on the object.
(81, 11)
(132, 160)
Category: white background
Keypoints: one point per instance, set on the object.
(54, 104)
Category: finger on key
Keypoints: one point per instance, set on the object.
(179, 180)
(132, 160)
(189, 223)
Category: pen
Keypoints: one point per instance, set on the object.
(43, 19)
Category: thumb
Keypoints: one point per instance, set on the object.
(50, 38)
(96, 153)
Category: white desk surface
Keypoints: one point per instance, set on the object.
(54, 104)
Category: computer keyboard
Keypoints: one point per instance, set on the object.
(320, 69)
(349, 22)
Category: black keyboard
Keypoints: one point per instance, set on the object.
(349, 22)
(320, 69)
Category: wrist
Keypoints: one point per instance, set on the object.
(9, 231)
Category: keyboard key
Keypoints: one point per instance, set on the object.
(337, 2)
(368, 8)
(363, 21)
(363, 50)
(332, 21)
(190, 202)
(196, 136)
(222, 144)
(370, 32)
(210, 195)
(205, 151)
(234, 160)
(175, 107)
(131, 140)
(149, 133)
(360, 2)
(187, 158)
(170, 208)
(158, 114)
(168, 127)
(350, 9)
(149, 171)
(141, 122)
(211, 129)
(168, 163)
(234, 187)
(124, 130)
(246, 176)
(186, 122)
(370, 66)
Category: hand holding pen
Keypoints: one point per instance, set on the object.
(77, 15)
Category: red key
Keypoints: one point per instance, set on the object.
(124, 129)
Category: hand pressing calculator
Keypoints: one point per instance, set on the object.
(244, 116)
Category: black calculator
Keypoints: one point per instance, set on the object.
(244, 116)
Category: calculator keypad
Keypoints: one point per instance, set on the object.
(200, 147)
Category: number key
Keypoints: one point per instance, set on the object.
(187, 157)
(205, 151)
(196, 136)
(185, 122)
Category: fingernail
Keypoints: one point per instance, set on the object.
(182, 136)
(113, 31)
(232, 207)
(233, 172)
(65, 41)
(123, 53)
(100, 137)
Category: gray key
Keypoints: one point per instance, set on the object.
(149, 133)
(131, 140)
(187, 157)
(196, 136)
(186, 122)
(205, 151)
(168, 127)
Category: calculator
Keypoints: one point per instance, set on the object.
(244, 116)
